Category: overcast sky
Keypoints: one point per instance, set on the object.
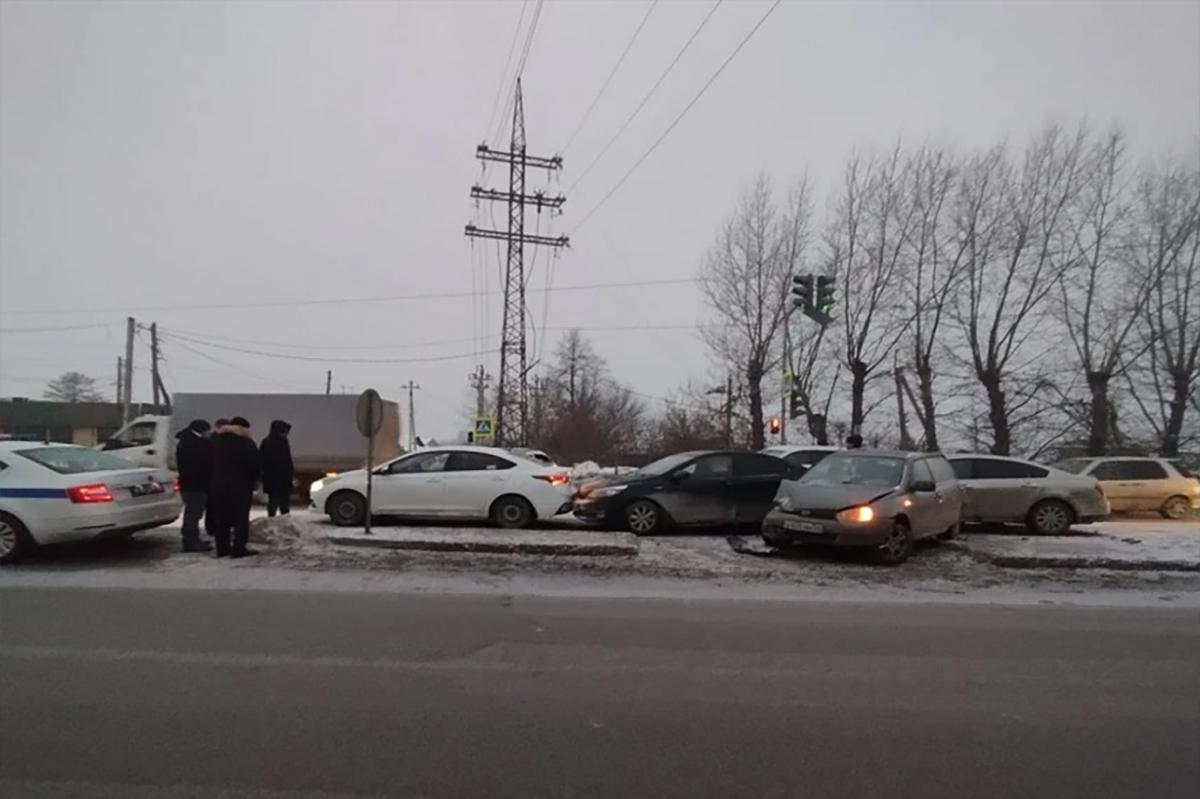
(167, 154)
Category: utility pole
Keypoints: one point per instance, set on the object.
(328, 381)
(120, 378)
(130, 332)
(729, 412)
(512, 397)
(412, 415)
(155, 381)
(480, 380)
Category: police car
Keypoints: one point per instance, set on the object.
(51, 493)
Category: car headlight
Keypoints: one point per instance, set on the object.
(783, 502)
(859, 515)
(607, 491)
(317, 485)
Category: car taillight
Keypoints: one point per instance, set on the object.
(97, 492)
(558, 479)
(175, 486)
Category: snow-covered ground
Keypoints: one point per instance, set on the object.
(1121, 544)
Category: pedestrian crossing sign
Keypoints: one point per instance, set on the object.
(483, 429)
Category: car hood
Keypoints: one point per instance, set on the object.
(820, 496)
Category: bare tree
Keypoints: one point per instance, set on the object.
(816, 373)
(1102, 297)
(1167, 251)
(72, 387)
(863, 244)
(1012, 229)
(745, 279)
(932, 267)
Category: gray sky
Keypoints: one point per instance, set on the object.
(164, 154)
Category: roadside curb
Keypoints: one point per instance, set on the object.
(618, 544)
(1076, 562)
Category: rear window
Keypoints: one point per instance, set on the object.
(1180, 467)
(997, 469)
(74, 460)
(1129, 470)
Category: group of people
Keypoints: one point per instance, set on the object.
(219, 470)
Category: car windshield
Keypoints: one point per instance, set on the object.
(75, 460)
(1073, 465)
(664, 465)
(856, 470)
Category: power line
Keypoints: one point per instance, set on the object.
(444, 295)
(256, 375)
(512, 48)
(611, 74)
(646, 99)
(677, 119)
(337, 359)
(56, 329)
(533, 23)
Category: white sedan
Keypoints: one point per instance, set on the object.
(450, 482)
(51, 493)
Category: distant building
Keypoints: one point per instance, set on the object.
(83, 423)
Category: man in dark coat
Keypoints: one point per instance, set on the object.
(193, 459)
(235, 473)
(276, 454)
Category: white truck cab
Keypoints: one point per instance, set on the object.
(146, 441)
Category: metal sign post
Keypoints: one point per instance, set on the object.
(369, 417)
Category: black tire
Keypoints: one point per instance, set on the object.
(644, 517)
(15, 541)
(896, 548)
(512, 512)
(347, 508)
(1176, 508)
(1050, 517)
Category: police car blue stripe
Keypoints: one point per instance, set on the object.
(33, 493)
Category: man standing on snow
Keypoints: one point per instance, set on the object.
(277, 470)
(235, 474)
(193, 458)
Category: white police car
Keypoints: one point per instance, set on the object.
(51, 493)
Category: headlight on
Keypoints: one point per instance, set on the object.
(859, 515)
(316, 486)
(607, 491)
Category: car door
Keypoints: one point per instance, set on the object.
(701, 492)
(472, 480)
(1002, 490)
(948, 494)
(1131, 484)
(756, 477)
(412, 486)
(964, 470)
(925, 515)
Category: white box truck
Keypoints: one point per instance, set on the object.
(324, 435)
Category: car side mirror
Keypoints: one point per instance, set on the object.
(924, 486)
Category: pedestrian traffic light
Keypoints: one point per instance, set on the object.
(824, 301)
(776, 425)
(802, 291)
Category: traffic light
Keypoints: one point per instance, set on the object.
(776, 425)
(794, 409)
(824, 300)
(802, 292)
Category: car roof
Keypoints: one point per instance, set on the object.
(462, 448)
(888, 453)
(17, 446)
(790, 448)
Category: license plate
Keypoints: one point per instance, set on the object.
(146, 489)
(803, 527)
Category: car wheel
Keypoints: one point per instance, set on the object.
(512, 513)
(896, 546)
(644, 517)
(347, 508)
(1176, 508)
(1050, 517)
(15, 542)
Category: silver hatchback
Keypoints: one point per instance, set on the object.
(1011, 491)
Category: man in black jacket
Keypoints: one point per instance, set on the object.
(276, 454)
(193, 459)
(235, 473)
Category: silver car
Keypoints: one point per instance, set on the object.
(1011, 491)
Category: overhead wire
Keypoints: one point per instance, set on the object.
(512, 48)
(336, 359)
(612, 73)
(678, 118)
(646, 99)
(533, 23)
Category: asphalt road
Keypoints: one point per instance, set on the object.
(232, 694)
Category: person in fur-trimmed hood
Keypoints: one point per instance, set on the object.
(235, 474)
(277, 470)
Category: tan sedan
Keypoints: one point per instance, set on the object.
(1142, 484)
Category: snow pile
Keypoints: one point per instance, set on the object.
(277, 531)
